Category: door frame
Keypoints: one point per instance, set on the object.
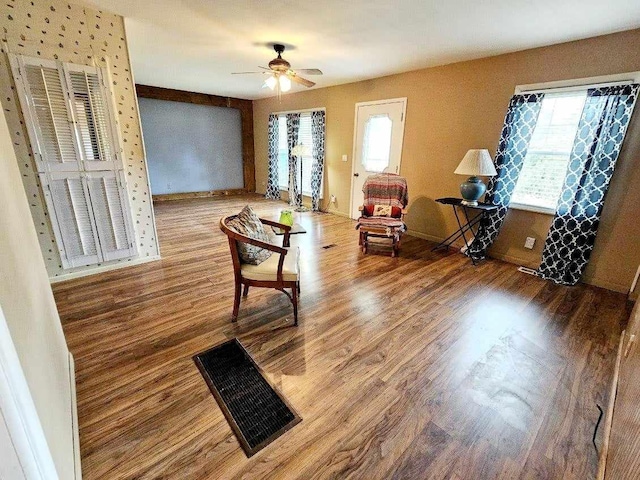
(402, 100)
(26, 443)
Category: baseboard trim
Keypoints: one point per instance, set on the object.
(426, 236)
(102, 269)
(338, 213)
(74, 419)
(168, 197)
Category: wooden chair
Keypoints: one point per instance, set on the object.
(383, 189)
(281, 270)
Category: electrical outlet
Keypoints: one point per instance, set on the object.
(344, 157)
(168, 187)
(529, 243)
(333, 199)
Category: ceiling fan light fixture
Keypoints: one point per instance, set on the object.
(285, 83)
(271, 82)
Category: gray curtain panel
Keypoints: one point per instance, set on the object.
(273, 190)
(293, 127)
(598, 142)
(519, 124)
(317, 168)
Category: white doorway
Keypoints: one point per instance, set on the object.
(377, 143)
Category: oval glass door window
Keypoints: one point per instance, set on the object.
(376, 148)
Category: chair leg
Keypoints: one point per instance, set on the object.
(298, 285)
(295, 305)
(236, 301)
(246, 290)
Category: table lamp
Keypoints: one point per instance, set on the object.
(476, 163)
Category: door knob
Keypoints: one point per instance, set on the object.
(356, 174)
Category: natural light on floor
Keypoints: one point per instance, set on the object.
(542, 176)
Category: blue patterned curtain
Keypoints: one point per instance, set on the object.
(317, 168)
(273, 189)
(599, 138)
(293, 127)
(519, 124)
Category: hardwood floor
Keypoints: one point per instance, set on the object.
(421, 366)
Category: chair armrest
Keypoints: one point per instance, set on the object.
(232, 234)
(260, 243)
(273, 223)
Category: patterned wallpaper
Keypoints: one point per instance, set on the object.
(64, 31)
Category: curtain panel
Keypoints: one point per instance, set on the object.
(598, 142)
(317, 168)
(293, 126)
(273, 190)
(519, 123)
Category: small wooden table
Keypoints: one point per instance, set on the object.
(465, 223)
(296, 229)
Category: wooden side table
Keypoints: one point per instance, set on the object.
(466, 222)
(296, 229)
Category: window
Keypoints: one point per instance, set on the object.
(71, 126)
(545, 165)
(377, 143)
(305, 162)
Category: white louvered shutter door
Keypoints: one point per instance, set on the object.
(66, 195)
(43, 97)
(94, 122)
(110, 208)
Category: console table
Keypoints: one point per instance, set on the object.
(466, 221)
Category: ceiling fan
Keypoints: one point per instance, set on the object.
(281, 74)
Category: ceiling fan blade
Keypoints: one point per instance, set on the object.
(300, 80)
(245, 73)
(309, 71)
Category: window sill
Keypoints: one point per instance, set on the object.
(532, 208)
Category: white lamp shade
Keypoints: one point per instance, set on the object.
(477, 162)
(300, 150)
(285, 83)
(271, 82)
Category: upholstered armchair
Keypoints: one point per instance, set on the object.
(280, 270)
(383, 211)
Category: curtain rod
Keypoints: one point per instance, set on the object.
(306, 110)
(576, 88)
(580, 83)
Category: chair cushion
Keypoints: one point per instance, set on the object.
(268, 270)
(391, 225)
(247, 223)
(381, 211)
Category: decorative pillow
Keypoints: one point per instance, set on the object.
(382, 211)
(247, 223)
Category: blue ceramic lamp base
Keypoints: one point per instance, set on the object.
(472, 190)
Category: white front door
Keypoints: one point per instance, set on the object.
(377, 143)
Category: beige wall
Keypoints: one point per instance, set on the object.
(456, 107)
(31, 315)
(56, 29)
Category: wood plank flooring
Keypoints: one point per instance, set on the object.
(421, 366)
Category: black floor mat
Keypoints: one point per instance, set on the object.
(257, 412)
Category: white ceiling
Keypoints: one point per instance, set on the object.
(196, 44)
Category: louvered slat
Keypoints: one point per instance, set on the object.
(110, 212)
(73, 218)
(91, 116)
(69, 120)
(56, 142)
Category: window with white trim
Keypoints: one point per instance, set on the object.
(70, 120)
(305, 162)
(544, 169)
